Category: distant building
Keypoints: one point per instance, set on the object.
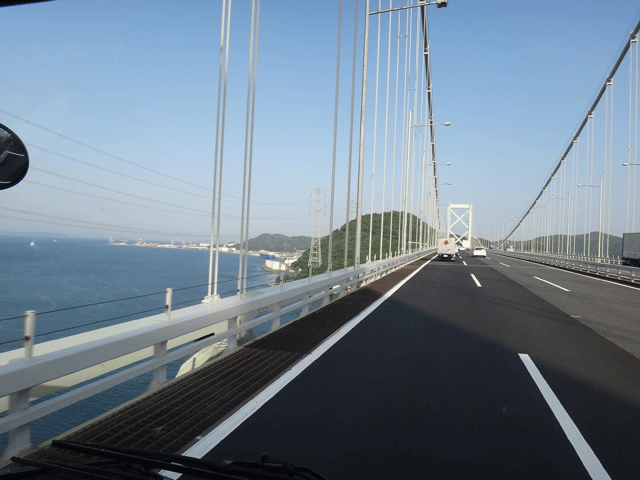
(275, 265)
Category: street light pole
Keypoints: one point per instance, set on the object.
(446, 124)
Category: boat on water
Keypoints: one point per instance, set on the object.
(32, 244)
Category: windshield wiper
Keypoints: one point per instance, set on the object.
(125, 463)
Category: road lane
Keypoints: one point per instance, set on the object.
(430, 384)
(609, 308)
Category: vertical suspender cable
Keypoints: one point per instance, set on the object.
(403, 115)
(363, 112)
(629, 138)
(605, 169)
(253, 110)
(553, 217)
(386, 125)
(586, 195)
(415, 143)
(395, 136)
(406, 186)
(404, 121)
(421, 154)
(215, 168)
(574, 193)
(592, 174)
(375, 135)
(353, 96)
(243, 244)
(561, 206)
(335, 141)
(423, 149)
(224, 112)
(576, 141)
(610, 171)
(635, 142)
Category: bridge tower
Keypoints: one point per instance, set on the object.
(466, 210)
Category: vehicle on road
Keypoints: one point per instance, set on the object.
(479, 252)
(510, 248)
(631, 249)
(466, 244)
(447, 249)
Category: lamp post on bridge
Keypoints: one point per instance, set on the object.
(446, 124)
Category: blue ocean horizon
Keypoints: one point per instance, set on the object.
(59, 274)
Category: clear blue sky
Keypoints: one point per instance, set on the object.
(131, 87)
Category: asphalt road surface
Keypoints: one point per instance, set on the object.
(478, 368)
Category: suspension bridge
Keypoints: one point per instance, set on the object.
(524, 363)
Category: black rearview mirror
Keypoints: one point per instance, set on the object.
(14, 159)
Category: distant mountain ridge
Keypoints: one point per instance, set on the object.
(587, 243)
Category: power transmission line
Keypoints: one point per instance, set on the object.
(95, 149)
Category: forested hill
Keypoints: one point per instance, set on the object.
(413, 224)
(279, 243)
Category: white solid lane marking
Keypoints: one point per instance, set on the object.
(504, 264)
(582, 448)
(557, 286)
(475, 280)
(465, 263)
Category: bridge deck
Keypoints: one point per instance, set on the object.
(471, 369)
(169, 419)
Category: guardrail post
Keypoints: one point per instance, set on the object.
(160, 349)
(29, 333)
(20, 437)
(232, 341)
(167, 304)
(275, 323)
(305, 307)
(160, 373)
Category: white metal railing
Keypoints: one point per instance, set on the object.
(149, 344)
(599, 266)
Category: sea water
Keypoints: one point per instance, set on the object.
(65, 276)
